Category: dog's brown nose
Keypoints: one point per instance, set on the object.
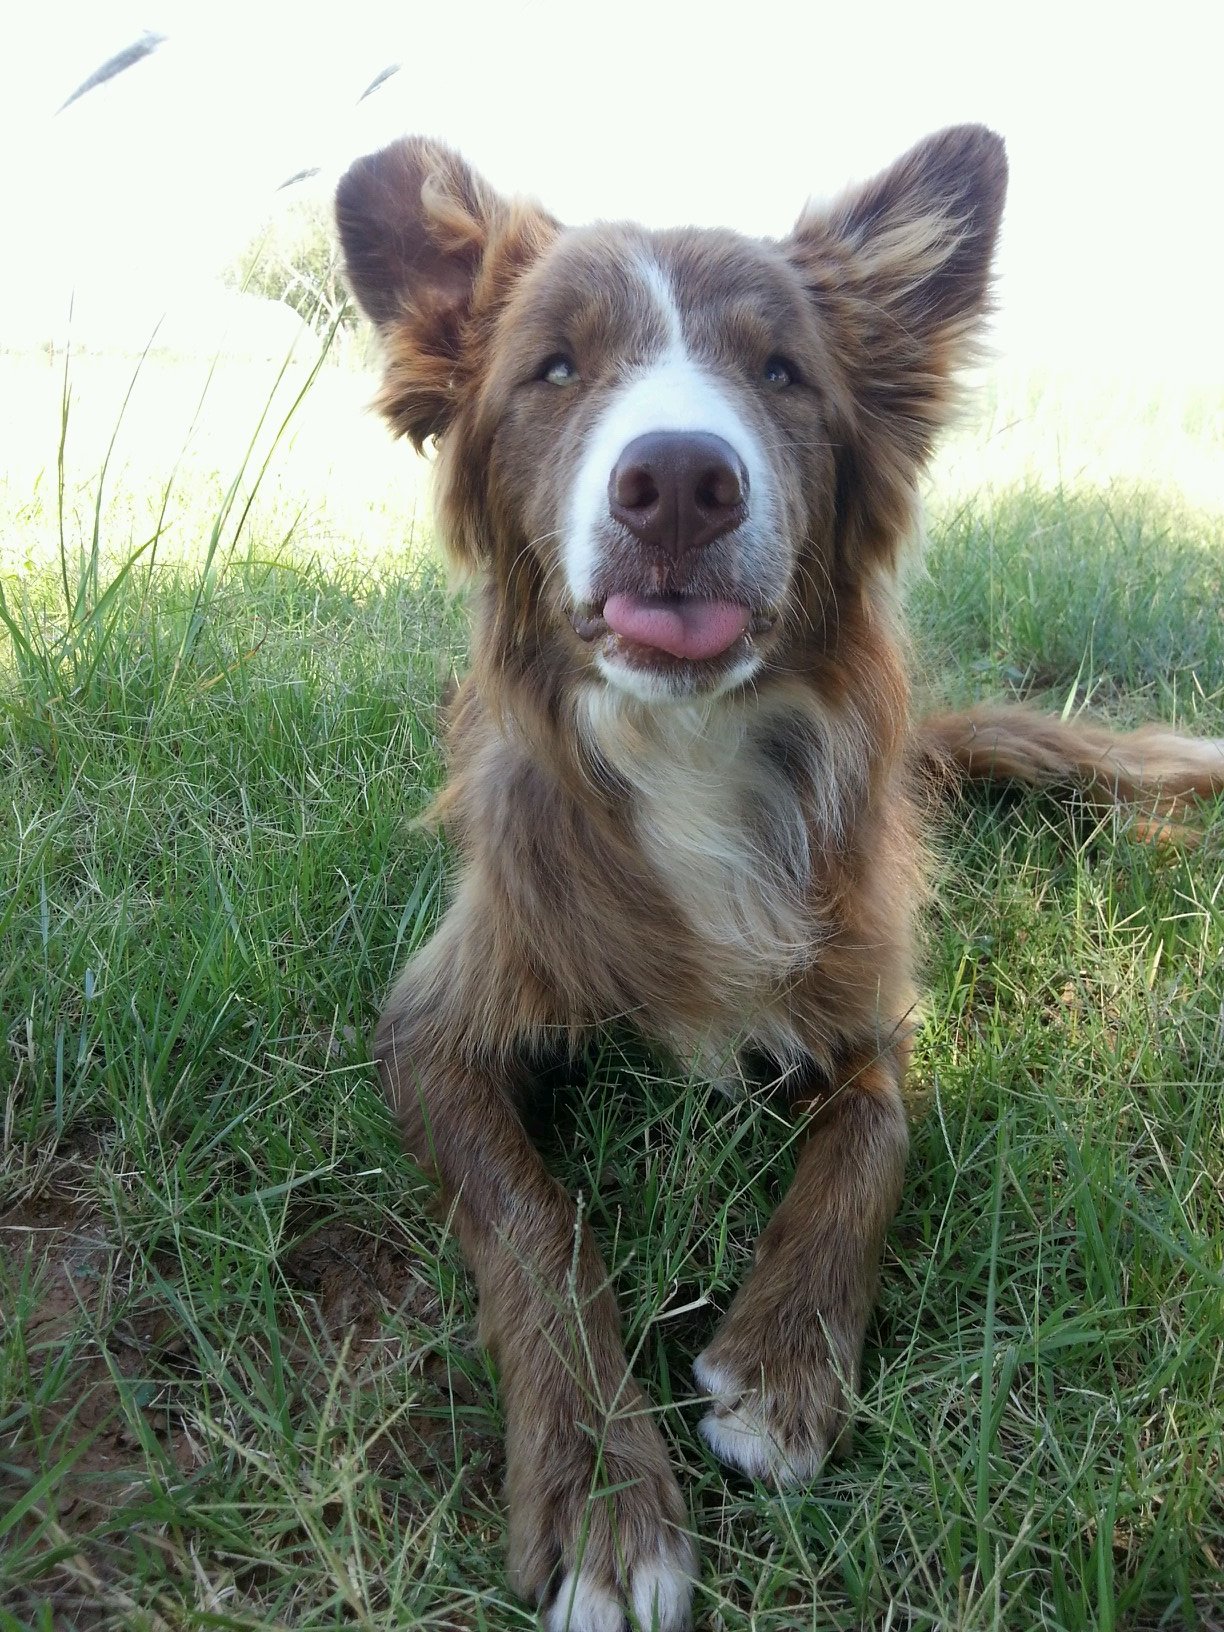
(678, 490)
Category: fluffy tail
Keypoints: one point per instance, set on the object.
(1154, 769)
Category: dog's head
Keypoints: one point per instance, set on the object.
(672, 452)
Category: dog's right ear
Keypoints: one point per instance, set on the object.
(414, 221)
(427, 245)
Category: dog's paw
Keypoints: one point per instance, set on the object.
(771, 1421)
(652, 1594)
(598, 1540)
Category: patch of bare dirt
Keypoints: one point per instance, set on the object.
(62, 1280)
(359, 1283)
(85, 1314)
(377, 1303)
(65, 1284)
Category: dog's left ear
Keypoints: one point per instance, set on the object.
(900, 269)
(430, 249)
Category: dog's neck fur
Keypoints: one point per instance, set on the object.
(731, 799)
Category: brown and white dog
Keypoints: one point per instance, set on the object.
(682, 769)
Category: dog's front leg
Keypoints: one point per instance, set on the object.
(596, 1515)
(789, 1347)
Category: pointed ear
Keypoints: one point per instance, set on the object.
(413, 221)
(428, 245)
(901, 269)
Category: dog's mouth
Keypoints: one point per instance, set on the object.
(668, 631)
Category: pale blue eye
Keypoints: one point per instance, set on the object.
(559, 371)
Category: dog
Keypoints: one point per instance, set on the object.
(685, 786)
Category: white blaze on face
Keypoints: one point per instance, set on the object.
(670, 393)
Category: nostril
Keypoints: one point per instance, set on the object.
(635, 488)
(720, 488)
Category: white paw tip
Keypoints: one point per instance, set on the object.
(736, 1431)
(583, 1606)
(715, 1380)
(663, 1591)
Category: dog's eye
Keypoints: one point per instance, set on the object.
(559, 370)
(780, 373)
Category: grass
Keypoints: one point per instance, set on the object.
(239, 1380)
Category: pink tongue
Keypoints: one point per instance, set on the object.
(684, 628)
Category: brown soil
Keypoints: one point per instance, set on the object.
(66, 1283)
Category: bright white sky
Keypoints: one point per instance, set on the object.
(666, 112)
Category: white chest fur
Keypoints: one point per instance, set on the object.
(729, 799)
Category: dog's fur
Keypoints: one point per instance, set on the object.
(717, 843)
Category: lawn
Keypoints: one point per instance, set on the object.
(239, 1378)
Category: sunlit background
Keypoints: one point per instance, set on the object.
(130, 207)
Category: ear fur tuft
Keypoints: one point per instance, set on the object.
(413, 221)
(428, 244)
(900, 268)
